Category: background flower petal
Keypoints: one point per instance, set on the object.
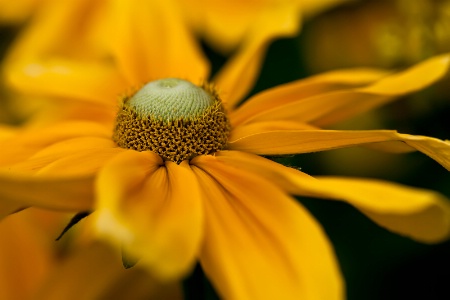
(27, 252)
(95, 271)
(62, 52)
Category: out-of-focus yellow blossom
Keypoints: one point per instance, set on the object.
(35, 266)
(70, 36)
(382, 33)
(228, 24)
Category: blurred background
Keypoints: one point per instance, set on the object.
(390, 34)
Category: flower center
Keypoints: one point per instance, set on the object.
(173, 118)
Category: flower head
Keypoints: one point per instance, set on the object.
(175, 182)
(169, 213)
(173, 118)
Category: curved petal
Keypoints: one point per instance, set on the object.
(84, 163)
(252, 139)
(90, 152)
(286, 178)
(152, 42)
(64, 182)
(329, 108)
(304, 88)
(259, 243)
(238, 76)
(153, 209)
(28, 141)
(419, 214)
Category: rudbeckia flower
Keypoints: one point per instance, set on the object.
(176, 176)
(226, 25)
(67, 38)
(386, 34)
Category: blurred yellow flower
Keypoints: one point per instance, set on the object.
(227, 24)
(385, 33)
(34, 266)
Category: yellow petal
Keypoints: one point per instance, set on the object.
(88, 81)
(226, 24)
(83, 274)
(57, 193)
(329, 108)
(63, 53)
(419, 214)
(238, 76)
(79, 164)
(7, 131)
(151, 42)
(95, 271)
(74, 156)
(63, 28)
(153, 209)
(252, 128)
(259, 243)
(284, 177)
(28, 141)
(412, 79)
(252, 139)
(301, 89)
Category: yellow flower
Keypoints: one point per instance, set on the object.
(229, 209)
(387, 34)
(66, 38)
(227, 24)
